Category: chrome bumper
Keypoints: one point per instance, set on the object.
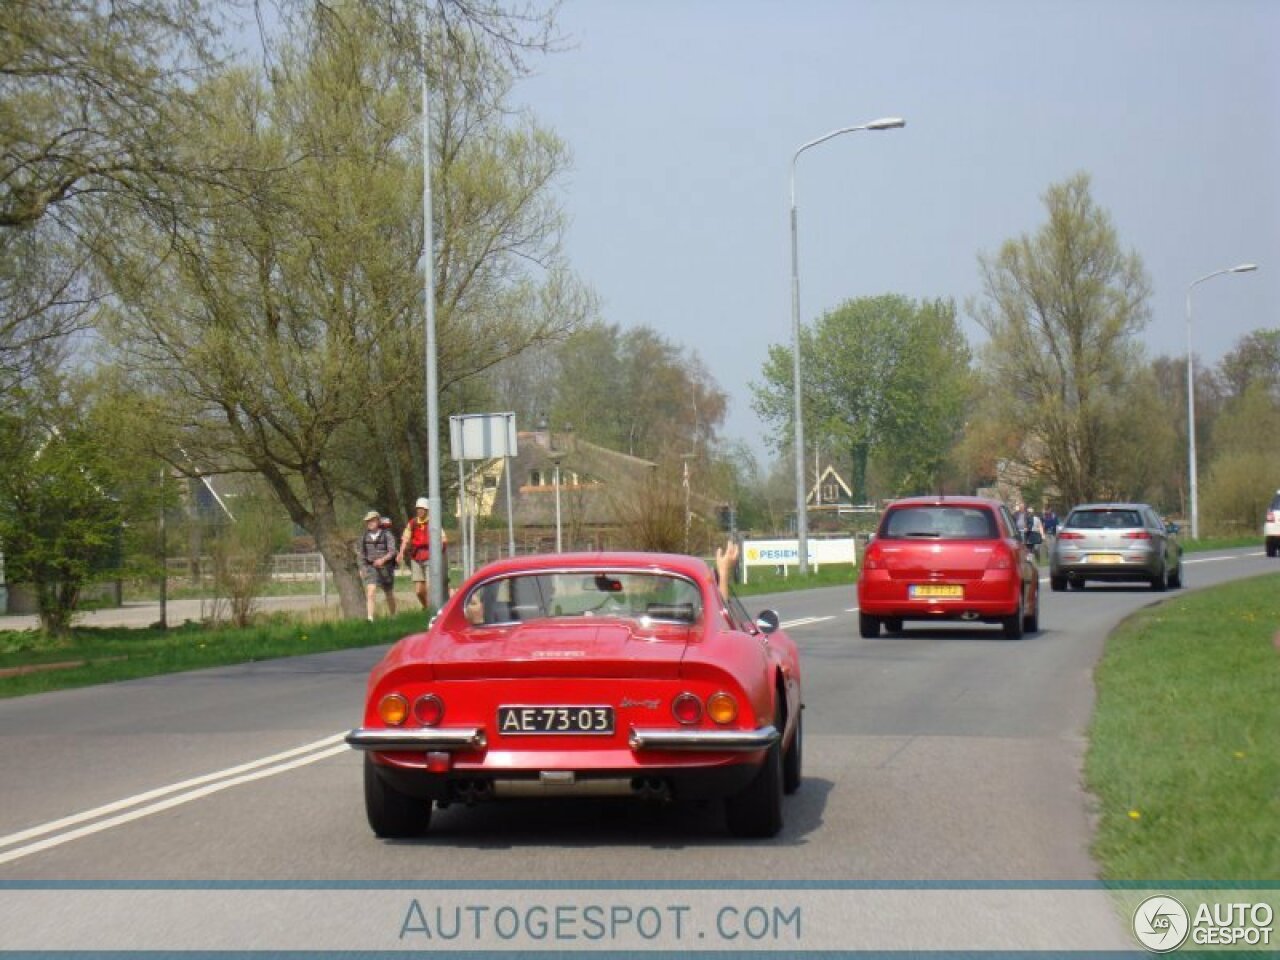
(422, 738)
(709, 741)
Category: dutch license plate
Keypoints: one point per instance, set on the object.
(1105, 558)
(930, 590)
(542, 719)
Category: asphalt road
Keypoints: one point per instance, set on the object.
(940, 755)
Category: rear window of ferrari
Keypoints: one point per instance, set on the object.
(935, 522)
(1104, 519)
(519, 598)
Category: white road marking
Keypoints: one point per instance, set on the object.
(228, 777)
(805, 621)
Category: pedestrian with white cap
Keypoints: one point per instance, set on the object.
(416, 544)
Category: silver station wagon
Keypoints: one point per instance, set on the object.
(1117, 542)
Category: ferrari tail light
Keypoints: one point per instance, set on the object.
(686, 708)
(1070, 535)
(722, 708)
(428, 710)
(1137, 535)
(393, 709)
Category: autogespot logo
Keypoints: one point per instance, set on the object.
(1161, 924)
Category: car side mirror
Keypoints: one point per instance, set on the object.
(767, 621)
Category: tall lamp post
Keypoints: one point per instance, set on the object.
(1191, 396)
(802, 519)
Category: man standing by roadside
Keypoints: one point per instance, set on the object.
(416, 542)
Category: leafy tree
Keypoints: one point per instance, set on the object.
(88, 95)
(45, 296)
(1254, 360)
(885, 376)
(62, 501)
(1062, 311)
(278, 333)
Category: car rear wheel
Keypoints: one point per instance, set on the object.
(893, 626)
(391, 814)
(1273, 548)
(1075, 583)
(1159, 583)
(1175, 578)
(1013, 624)
(1031, 621)
(757, 810)
(868, 626)
(793, 759)
(1057, 584)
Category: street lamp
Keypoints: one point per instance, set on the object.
(1191, 395)
(802, 520)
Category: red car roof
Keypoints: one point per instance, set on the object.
(692, 567)
(948, 500)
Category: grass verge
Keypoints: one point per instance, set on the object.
(102, 655)
(765, 580)
(1184, 749)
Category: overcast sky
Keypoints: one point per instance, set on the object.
(683, 117)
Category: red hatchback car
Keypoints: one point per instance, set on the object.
(948, 558)
(585, 675)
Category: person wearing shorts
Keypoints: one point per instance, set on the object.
(416, 545)
(377, 561)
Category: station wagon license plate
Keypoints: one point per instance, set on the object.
(949, 591)
(543, 719)
(1105, 558)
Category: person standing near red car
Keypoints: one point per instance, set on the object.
(416, 543)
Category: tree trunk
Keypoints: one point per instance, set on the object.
(340, 557)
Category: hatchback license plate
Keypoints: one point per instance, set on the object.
(1105, 558)
(518, 720)
(944, 590)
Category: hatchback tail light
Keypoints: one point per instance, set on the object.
(1271, 516)
(1070, 535)
(1137, 535)
(871, 561)
(1001, 560)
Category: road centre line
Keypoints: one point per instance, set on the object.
(55, 825)
(59, 839)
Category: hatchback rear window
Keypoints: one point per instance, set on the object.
(1275, 502)
(1104, 519)
(940, 523)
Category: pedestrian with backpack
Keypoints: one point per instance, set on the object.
(416, 544)
(376, 558)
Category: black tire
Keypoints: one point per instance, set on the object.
(793, 759)
(1057, 584)
(1031, 621)
(1159, 583)
(1075, 583)
(1272, 548)
(868, 626)
(1013, 624)
(757, 810)
(1175, 578)
(391, 814)
(893, 626)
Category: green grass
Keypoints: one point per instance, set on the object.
(124, 653)
(765, 580)
(1219, 543)
(1184, 750)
